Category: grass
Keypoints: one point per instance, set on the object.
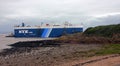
(109, 49)
(104, 50)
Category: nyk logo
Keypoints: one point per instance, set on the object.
(23, 31)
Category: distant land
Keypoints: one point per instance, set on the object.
(6, 32)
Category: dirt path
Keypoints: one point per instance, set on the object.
(114, 61)
(109, 60)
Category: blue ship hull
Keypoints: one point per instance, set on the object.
(45, 32)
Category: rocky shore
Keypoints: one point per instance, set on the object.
(34, 54)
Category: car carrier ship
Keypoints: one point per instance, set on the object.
(46, 31)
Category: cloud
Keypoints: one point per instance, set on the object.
(105, 20)
(89, 12)
(46, 8)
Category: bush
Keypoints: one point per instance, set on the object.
(105, 31)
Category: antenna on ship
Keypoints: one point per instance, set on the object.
(23, 24)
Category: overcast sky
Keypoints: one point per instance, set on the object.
(32, 12)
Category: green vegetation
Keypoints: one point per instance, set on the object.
(109, 49)
(104, 50)
(105, 31)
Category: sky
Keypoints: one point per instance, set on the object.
(90, 13)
